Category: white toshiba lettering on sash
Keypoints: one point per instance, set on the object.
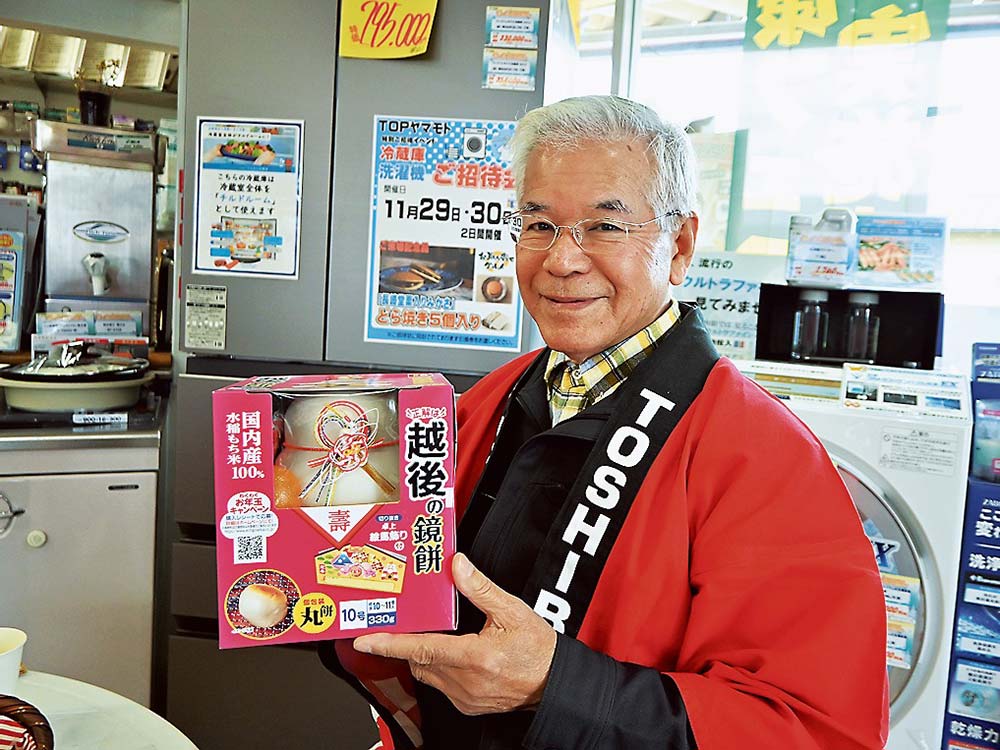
(655, 402)
(593, 531)
(626, 448)
(605, 479)
(569, 568)
(622, 435)
(553, 608)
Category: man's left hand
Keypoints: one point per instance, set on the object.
(504, 667)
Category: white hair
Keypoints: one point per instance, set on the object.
(568, 123)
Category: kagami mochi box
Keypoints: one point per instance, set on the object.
(334, 507)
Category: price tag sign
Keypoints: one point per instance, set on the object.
(379, 29)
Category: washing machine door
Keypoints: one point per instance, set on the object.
(909, 578)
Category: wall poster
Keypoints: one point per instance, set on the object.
(441, 260)
(248, 197)
(726, 288)
(513, 28)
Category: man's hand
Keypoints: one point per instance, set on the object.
(502, 668)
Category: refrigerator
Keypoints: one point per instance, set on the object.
(296, 291)
(346, 111)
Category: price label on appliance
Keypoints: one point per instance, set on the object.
(205, 317)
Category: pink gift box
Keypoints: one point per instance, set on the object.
(334, 506)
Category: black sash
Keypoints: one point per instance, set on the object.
(652, 402)
(674, 374)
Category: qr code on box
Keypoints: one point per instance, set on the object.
(250, 549)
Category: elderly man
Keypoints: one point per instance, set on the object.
(657, 554)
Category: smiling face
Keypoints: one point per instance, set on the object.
(582, 303)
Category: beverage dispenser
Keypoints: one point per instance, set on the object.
(99, 197)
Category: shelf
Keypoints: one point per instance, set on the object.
(157, 360)
(61, 85)
(57, 84)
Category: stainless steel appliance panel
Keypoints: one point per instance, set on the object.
(89, 142)
(103, 209)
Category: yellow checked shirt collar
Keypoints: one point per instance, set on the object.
(572, 388)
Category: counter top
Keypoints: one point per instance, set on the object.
(132, 445)
(89, 436)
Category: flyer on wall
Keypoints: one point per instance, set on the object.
(248, 197)
(726, 289)
(513, 28)
(441, 261)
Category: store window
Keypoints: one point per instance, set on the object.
(894, 128)
(579, 48)
(901, 128)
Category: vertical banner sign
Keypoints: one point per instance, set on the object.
(783, 24)
(385, 29)
(248, 197)
(972, 716)
(441, 261)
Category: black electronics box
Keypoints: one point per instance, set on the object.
(909, 326)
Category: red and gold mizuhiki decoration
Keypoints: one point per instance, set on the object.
(346, 452)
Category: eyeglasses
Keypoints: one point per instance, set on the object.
(593, 236)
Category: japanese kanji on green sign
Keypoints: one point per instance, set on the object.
(782, 24)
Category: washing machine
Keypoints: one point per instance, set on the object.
(900, 440)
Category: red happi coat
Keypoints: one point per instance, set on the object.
(741, 573)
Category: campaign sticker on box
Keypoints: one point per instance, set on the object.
(335, 511)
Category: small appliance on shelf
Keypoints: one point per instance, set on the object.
(827, 326)
(75, 376)
(99, 235)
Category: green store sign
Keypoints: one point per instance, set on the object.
(784, 24)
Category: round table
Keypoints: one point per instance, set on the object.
(86, 717)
